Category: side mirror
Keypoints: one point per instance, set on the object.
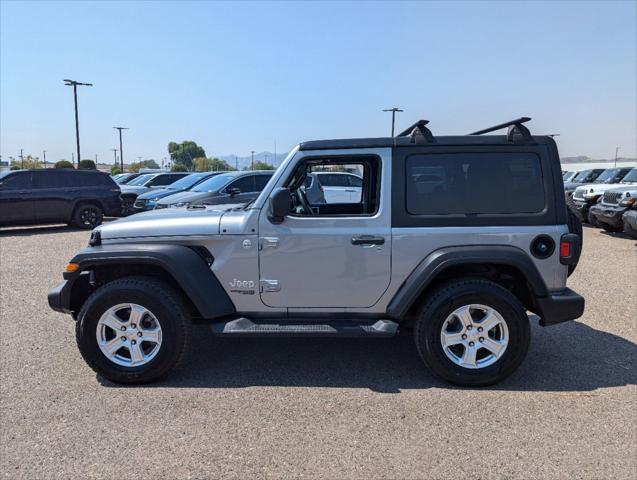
(279, 205)
(233, 192)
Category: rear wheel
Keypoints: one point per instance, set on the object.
(88, 216)
(472, 332)
(628, 229)
(133, 330)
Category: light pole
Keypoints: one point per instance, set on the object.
(74, 84)
(121, 150)
(252, 162)
(115, 156)
(44, 157)
(21, 159)
(616, 150)
(393, 111)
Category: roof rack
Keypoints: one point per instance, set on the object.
(418, 132)
(514, 126)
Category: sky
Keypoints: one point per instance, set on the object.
(236, 77)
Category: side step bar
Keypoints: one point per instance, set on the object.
(245, 327)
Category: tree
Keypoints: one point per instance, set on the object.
(183, 153)
(259, 165)
(203, 164)
(135, 167)
(28, 162)
(63, 164)
(178, 168)
(115, 170)
(87, 165)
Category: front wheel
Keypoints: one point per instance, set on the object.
(133, 330)
(127, 206)
(472, 332)
(88, 216)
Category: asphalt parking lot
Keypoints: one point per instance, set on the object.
(317, 408)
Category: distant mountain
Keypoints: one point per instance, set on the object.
(245, 161)
(585, 159)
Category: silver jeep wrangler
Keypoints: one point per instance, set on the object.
(453, 237)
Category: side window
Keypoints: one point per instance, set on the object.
(244, 184)
(161, 180)
(479, 183)
(17, 181)
(334, 195)
(355, 181)
(49, 179)
(261, 181)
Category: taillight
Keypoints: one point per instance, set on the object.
(570, 245)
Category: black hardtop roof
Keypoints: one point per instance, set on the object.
(418, 135)
(81, 170)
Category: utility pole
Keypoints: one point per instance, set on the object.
(393, 111)
(115, 156)
(121, 150)
(44, 157)
(236, 162)
(74, 84)
(21, 159)
(252, 163)
(72, 159)
(616, 150)
(96, 160)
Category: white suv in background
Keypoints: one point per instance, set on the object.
(341, 187)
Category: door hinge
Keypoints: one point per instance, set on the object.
(269, 285)
(268, 242)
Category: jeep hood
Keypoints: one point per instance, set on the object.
(598, 188)
(171, 222)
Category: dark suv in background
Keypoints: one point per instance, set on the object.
(78, 197)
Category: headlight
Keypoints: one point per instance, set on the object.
(179, 205)
(627, 202)
(591, 191)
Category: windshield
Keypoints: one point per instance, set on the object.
(608, 176)
(213, 184)
(187, 182)
(631, 177)
(581, 176)
(140, 180)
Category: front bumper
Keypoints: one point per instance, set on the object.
(608, 215)
(583, 206)
(560, 307)
(60, 297)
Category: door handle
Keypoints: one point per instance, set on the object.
(368, 240)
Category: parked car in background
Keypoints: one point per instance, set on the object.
(231, 187)
(629, 219)
(585, 176)
(124, 178)
(607, 213)
(145, 183)
(341, 187)
(148, 200)
(78, 197)
(587, 195)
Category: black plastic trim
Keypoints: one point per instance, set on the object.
(558, 308)
(437, 261)
(182, 263)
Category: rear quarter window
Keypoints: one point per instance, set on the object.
(474, 183)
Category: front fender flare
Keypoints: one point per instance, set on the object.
(187, 268)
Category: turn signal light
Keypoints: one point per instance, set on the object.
(72, 267)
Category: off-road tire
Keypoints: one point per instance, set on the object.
(87, 216)
(593, 221)
(127, 206)
(574, 226)
(629, 230)
(156, 296)
(452, 295)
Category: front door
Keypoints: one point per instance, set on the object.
(338, 257)
(16, 202)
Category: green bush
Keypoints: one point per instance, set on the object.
(115, 170)
(87, 165)
(178, 167)
(63, 164)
